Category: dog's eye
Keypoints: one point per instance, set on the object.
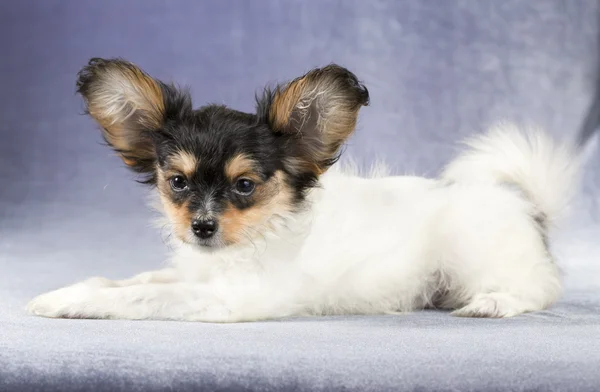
(244, 186)
(178, 183)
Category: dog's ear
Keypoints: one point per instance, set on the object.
(130, 106)
(318, 111)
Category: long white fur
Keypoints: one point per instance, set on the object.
(465, 242)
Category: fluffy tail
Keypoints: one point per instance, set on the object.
(546, 172)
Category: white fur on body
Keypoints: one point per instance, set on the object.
(466, 242)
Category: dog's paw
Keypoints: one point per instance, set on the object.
(491, 305)
(68, 302)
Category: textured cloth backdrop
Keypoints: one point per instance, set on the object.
(437, 70)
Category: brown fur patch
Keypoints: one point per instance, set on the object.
(124, 100)
(321, 108)
(184, 162)
(238, 166)
(284, 103)
(121, 91)
(271, 198)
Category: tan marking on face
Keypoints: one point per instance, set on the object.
(273, 197)
(179, 216)
(240, 165)
(184, 162)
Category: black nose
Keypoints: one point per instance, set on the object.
(204, 228)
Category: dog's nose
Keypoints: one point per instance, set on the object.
(204, 228)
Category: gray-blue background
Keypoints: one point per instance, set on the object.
(437, 70)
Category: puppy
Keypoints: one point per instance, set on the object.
(264, 230)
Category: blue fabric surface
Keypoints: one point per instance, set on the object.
(436, 70)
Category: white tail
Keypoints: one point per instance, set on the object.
(546, 171)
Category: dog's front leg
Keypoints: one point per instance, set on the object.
(164, 301)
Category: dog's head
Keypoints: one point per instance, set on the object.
(222, 175)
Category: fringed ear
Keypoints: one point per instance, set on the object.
(319, 112)
(130, 106)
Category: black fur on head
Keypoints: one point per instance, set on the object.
(214, 164)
